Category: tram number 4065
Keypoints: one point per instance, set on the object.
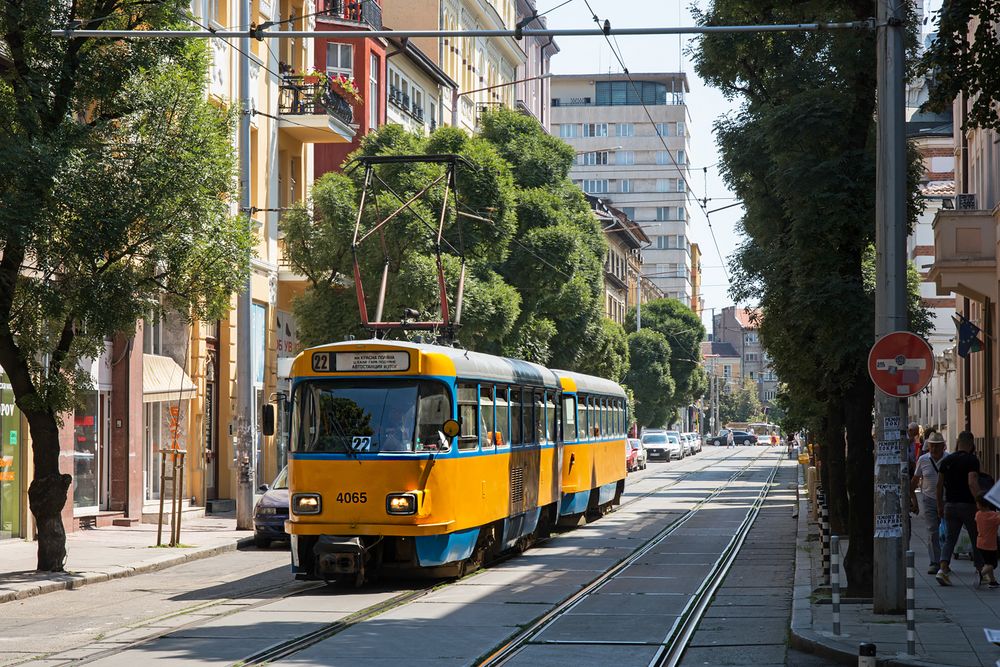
(352, 497)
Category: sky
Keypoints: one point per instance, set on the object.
(583, 55)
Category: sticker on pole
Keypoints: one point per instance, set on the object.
(887, 453)
(889, 525)
(901, 364)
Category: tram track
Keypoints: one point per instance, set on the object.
(672, 647)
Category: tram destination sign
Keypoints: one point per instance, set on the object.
(364, 362)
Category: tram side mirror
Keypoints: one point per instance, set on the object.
(267, 419)
(450, 428)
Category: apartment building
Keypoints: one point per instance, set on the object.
(697, 300)
(641, 167)
(484, 67)
(533, 92)
(737, 327)
(417, 87)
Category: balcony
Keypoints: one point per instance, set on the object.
(358, 12)
(314, 112)
(965, 247)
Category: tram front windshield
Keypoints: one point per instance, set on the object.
(357, 416)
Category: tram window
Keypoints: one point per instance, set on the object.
(515, 415)
(603, 407)
(503, 416)
(432, 411)
(468, 436)
(620, 413)
(526, 418)
(550, 416)
(486, 415)
(569, 418)
(539, 416)
(592, 422)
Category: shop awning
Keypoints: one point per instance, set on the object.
(164, 380)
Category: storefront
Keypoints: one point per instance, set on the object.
(10, 462)
(166, 392)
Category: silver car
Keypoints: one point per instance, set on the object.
(657, 446)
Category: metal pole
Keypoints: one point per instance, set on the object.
(159, 524)
(244, 349)
(835, 582)
(890, 304)
(911, 621)
(180, 490)
(638, 302)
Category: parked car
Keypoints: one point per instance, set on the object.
(271, 512)
(696, 443)
(744, 438)
(640, 452)
(631, 458)
(656, 445)
(680, 439)
(725, 437)
(676, 447)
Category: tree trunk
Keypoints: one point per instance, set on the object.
(835, 484)
(47, 493)
(860, 485)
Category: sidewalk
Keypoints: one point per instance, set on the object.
(101, 554)
(949, 620)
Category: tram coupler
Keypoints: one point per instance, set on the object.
(336, 556)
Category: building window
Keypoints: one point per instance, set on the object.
(680, 129)
(625, 130)
(662, 213)
(629, 212)
(595, 129)
(373, 101)
(663, 129)
(681, 187)
(568, 130)
(662, 157)
(727, 371)
(625, 185)
(594, 158)
(595, 186)
(681, 157)
(663, 185)
(630, 93)
(681, 213)
(339, 59)
(625, 157)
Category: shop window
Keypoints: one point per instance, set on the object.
(86, 469)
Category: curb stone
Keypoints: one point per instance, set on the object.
(802, 635)
(70, 581)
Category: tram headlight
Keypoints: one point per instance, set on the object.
(306, 503)
(401, 503)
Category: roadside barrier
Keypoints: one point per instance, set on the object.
(824, 524)
(911, 621)
(866, 655)
(835, 583)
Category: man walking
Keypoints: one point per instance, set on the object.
(926, 478)
(957, 490)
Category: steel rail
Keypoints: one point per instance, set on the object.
(517, 34)
(676, 642)
(519, 641)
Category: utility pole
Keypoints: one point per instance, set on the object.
(891, 492)
(245, 422)
(638, 302)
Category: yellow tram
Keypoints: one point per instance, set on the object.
(408, 455)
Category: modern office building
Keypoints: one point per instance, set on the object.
(641, 166)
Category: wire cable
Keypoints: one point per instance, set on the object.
(649, 116)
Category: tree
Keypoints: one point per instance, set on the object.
(685, 332)
(649, 377)
(114, 174)
(741, 404)
(957, 63)
(800, 155)
(534, 250)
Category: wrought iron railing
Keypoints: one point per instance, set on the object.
(298, 97)
(368, 12)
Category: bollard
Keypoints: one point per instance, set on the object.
(911, 621)
(835, 582)
(866, 655)
(825, 536)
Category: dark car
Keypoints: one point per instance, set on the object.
(271, 512)
(744, 438)
(722, 439)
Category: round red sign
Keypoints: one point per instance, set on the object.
(901, 364)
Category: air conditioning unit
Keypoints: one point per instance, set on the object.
(965, 201)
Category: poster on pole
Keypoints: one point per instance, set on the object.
(887, 452)
(888, 525)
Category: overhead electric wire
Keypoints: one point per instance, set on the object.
(193, 19)
(649, 116)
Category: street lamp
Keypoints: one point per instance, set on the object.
(455, 94)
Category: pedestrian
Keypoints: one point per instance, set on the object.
(913, 433)
(928, 432)
(957, 490)
(925, 477)
(987, 522)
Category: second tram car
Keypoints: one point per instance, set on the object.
(406, 455)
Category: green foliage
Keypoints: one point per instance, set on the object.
(534, 250)
(962, 64)
(114, 177)
(742, 404)
(685, 332)
(649, 377)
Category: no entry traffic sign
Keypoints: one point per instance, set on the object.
(901, 364)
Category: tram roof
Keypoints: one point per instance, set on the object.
(587, 384)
